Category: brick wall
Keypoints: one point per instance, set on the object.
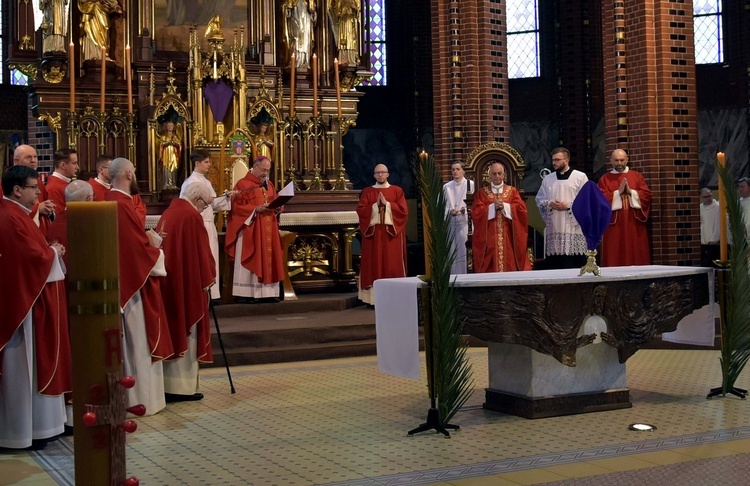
(650, 109)
(470, 77)
(43, 140)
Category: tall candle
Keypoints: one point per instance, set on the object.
(426, 224)
(128, 79)
(338, 87)
(291, 92)
(72, 75)
(722, 213)
(104, 78)
(315, 85)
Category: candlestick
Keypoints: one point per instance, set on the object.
(128, 78)
(72, 75)
(722, 213)
(291, 92)
(338, 87)
(315, 85)
(104, 79)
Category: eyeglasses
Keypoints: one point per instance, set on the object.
(205, 204)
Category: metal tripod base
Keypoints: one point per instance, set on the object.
(433, 423)
(738, 392)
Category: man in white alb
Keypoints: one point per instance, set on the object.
(201, 160)
(455, 194)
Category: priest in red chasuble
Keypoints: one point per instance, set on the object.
(382, 215)
(35, 367)
(625, 241)
(500, 226)
(65, 162)
(253, 242)
(185, 289)
(43, 212)
(146, 339)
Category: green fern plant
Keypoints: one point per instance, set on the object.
(735, 324)
(451, 373)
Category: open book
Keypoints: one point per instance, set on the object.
(283, 196)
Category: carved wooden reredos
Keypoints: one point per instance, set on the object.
(478, 161)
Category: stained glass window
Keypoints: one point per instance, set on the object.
(376, 42)
(522, 18)
(19, 78)
(707, 29)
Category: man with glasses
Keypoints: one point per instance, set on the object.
(190, 272)
(382, 215)
(565, 245)
(253, 242)
(146, 339)
(35, 369)
(102, 183)
(625, 241)
(202, 163)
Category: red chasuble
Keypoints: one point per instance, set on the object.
(140, 210)
(99, 190)
(625, 241)
(137, 258)
(499, 245)
(56, 192)
(262, 253)
(25, 254)
(43, 196)
(383, 245)
(58, 232)
(190, 272)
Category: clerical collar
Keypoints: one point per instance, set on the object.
(565, 176)
(614, 171)
(497, 189)
(25, 209)
(381, 186)
(105, 184)
(66, 179)
(120, 190)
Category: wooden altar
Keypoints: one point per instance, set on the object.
(239, 84)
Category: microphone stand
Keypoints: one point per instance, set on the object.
(221, 345)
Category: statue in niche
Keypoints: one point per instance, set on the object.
(344, 17)
(170, 152)
(301, 16)
(95, 21)
(54, 25)
(263, 138)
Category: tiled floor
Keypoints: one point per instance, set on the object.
(344, 422)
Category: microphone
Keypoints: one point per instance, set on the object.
(265, 184)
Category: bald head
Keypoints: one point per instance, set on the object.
(619, 159)
(119, 167)
(381, 173)
(25, 155)
(79, 191)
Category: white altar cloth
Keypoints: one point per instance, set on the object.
(397, 319)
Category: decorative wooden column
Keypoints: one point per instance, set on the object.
(651, 111)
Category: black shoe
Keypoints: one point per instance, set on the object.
(68, 431)
(173, 397)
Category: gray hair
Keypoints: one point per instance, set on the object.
(196, 191)
(118, 167)
(79, 191)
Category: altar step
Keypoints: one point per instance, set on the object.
(317, 326)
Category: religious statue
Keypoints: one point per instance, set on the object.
(214, 29)
(344, 17)
(170, 152)
(301, 16)
(54, 24)
(95, 20)
(262, 140)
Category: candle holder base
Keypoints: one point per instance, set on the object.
(591, 266)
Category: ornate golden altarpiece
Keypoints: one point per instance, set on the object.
(145, 97)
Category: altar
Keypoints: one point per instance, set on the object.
(558, 343)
